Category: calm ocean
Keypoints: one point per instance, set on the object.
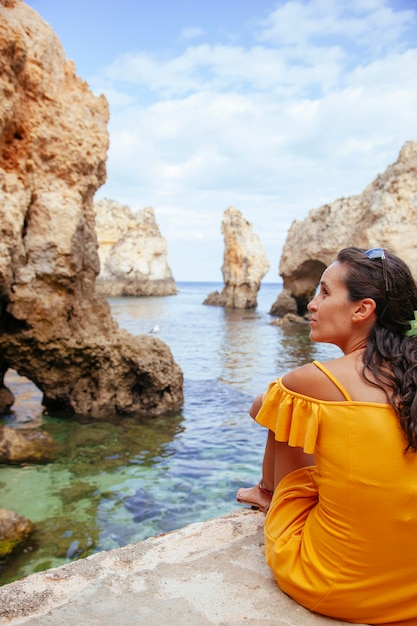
(122, 481)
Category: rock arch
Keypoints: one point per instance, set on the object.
(54, 328)
(385, 215)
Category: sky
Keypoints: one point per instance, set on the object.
(272, 107)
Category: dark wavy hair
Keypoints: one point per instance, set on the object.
(390, 357)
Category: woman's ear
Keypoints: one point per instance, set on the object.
(365, 308)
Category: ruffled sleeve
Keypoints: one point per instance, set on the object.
(292, 417)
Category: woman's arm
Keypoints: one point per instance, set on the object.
(256, 405)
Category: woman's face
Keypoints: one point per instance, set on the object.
(331, 309)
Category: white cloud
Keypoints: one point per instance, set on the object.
(373, 25)
(192, 32)
(274, 127)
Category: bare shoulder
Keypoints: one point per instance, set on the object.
(309, 380)
(303, 379)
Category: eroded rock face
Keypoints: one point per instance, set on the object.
(133, 254)
(245, 264)
(384, 215)
(54, 329)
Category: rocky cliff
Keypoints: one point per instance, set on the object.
(384, 215)
(54, 329)
(133, 254)
(245, 264)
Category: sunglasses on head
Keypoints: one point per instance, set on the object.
(378, 253)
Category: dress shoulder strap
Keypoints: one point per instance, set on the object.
(333, 379)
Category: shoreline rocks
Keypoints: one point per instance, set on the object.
(209, 573)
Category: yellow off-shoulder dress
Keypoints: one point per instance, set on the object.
(341, 537)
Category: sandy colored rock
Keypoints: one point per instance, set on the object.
(384, 215)
(26, 445)
(133, 254)
(288, 319)
(206, 574)
(284, 304)
(14, 529)
(245, 264)
(55, 329)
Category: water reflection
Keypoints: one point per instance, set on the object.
(252, 352)
(149, 310)
(244, 347)
(295, 347)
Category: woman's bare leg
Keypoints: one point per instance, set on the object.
(269, 462)
(279, 460)
(261, 494)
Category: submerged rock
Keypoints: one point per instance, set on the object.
(384, 215)
(26, 445)
(133, 254)
(245, 264)
(288, 319)
(14, 530)
(54, 328)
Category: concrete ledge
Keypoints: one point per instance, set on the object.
(206, 573)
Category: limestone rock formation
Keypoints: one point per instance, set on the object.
(384, 215)
(14, 529)
(54, 329)
(245, 264)
(133, 253)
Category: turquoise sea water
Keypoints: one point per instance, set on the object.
(121, 481)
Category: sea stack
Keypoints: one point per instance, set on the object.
(245, 264)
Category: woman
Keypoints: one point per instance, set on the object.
(341, 525)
